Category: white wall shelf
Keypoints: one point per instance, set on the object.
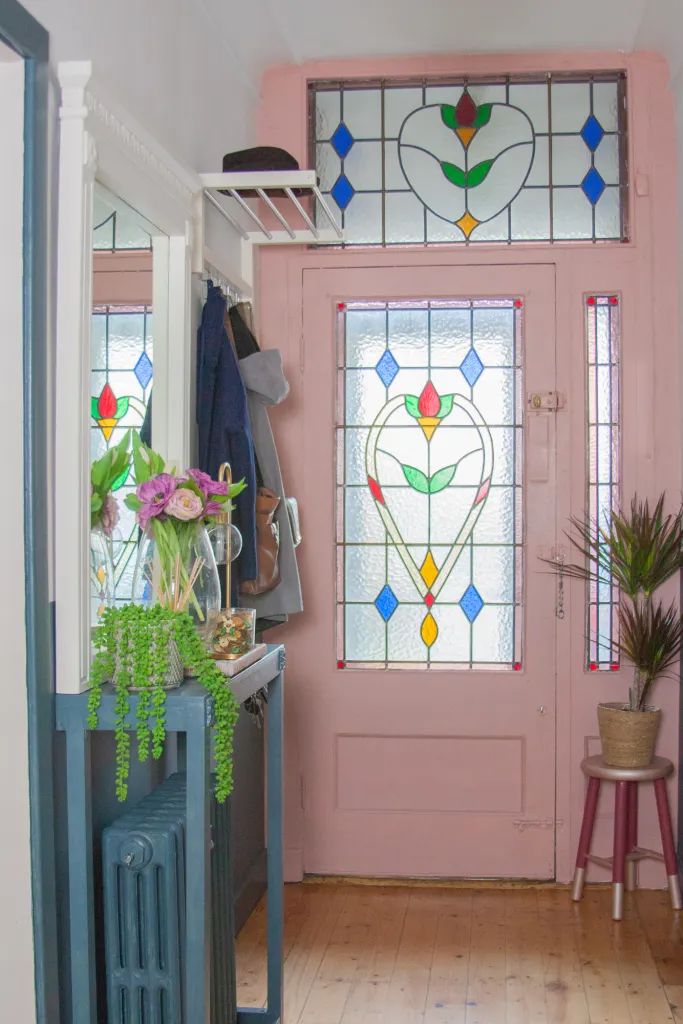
(252, 202)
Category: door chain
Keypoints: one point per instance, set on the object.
(559, 600)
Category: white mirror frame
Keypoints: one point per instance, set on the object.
(100, 142)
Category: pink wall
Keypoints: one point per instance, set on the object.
(645, 271)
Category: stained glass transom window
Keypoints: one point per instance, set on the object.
(121, 380)
(429, 484)
(501, 160)
(603, 339)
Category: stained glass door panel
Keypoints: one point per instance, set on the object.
(429, 488)
(429, 473)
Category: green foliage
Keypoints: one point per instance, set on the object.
(448, 116)
(146, 462)
(105, 474)
(455, 174)
(412, 407)
(483, 115)
(640, 550)
(478, 173)
(135, 648)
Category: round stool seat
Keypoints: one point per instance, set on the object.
(596, 768)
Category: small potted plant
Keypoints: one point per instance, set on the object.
(639, 550)
(135, 649)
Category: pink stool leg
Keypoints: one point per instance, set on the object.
(620, 841)
(668, 843)
(586, 836)
(632, 836)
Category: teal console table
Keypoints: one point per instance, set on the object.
(189, 712)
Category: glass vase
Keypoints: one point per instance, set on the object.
(101, 573)
(176, 568)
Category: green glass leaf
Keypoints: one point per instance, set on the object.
(416, 478)
(93, 409)
(449, 116)
(412, 406)
(121, 407)
(455, 174)
(441, 479)
(478, 173)
(121, 479)
(483, 115)
(445, 407)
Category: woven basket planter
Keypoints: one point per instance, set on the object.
(628, 737)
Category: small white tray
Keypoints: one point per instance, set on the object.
(235, 665)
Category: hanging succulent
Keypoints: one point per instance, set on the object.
(139, 649)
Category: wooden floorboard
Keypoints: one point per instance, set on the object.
(379, 954)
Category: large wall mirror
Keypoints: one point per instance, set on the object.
(126, 226)
(121, 378)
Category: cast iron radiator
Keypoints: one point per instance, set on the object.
(143, 860)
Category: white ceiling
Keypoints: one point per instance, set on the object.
(190, 70)
(300, 30)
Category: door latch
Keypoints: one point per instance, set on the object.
(548, 401)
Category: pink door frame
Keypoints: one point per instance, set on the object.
(643, 271)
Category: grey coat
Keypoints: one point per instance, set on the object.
(266, 385)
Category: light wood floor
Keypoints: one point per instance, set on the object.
(416, 955)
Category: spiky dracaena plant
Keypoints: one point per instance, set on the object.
(640, 550)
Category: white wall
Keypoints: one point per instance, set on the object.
(168, 62)
(17, 988)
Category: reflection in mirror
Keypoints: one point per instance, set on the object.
(122, 377)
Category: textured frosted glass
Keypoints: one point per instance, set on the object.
(365, 571)
(328, 166)
(363, 218)
(570, 102)
(363, 113)
(473, 161)
(428, 512)
(365, 336)
(363, 165)
(364, 642)
(404, 217)
(572, 214)
(492, 635)
(327, 113)
(602, 462)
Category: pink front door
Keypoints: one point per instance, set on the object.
(425, 663)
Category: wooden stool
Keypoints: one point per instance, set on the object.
(627, 853)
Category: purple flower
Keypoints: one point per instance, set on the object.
(206, 484)
(185, 505)
(154, 495)
(214, 508)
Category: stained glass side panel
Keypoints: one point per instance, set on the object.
(473, 161)
(429, 484)
(603, 469)
(122, 375)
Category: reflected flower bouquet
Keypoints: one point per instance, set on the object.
(106, 473)
(171, 509)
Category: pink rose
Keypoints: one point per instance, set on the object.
(185, 505)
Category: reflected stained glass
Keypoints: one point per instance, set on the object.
(121, 380)
(473, 161)
(603, 468)
(429, 476)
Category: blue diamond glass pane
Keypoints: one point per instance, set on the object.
(471, 367)
(386, 602)
(342, 191)
(387, 368)
(471, 602)
(143, 370)
(593, 185)
(592, 133)
(342, 140)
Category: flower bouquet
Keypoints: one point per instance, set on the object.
(176, 565)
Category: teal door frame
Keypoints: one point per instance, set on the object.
(22, 33)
